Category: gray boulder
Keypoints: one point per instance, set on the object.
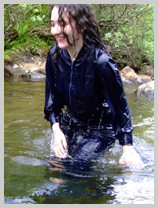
(146, 90)
(33, 75)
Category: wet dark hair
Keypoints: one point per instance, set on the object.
(85, 24)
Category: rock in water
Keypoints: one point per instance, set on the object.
(146, 90)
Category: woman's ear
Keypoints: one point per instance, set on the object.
(83, 29)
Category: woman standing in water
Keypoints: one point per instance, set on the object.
(82, 76)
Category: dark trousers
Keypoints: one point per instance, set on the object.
(85, 142)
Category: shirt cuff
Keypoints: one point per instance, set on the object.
(54, 118)
(126, 139)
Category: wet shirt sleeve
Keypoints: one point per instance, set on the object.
(116, 98)
(53, 104)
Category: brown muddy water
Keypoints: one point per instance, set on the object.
(28, 177)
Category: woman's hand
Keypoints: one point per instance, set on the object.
(130, 157)
(60, 144)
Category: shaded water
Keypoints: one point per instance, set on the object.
(28, 177)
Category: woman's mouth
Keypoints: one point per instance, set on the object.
(61, 39)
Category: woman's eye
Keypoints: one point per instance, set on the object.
(61, 23)
(52, 24)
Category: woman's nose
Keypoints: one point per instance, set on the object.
(56, 30)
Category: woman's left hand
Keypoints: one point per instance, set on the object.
(130, 157)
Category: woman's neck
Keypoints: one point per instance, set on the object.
(74, 50)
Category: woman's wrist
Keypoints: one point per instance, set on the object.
(127, 148)
(55, 127)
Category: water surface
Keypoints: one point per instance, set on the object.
(28, 177)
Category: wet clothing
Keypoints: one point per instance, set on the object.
(91, 88)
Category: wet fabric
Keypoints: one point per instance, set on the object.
(86, 142)
(89, 146)
(84, 147)
(91, 89)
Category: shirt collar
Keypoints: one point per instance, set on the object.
(65, 54)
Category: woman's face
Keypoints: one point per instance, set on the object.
(69, 29)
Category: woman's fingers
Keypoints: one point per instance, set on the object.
(59, 150)
(64, 142)
(60, 145)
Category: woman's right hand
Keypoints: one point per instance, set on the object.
(60, 144)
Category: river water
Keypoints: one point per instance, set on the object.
(28, 177)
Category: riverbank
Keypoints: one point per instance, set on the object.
(25, 64)
(30, 66)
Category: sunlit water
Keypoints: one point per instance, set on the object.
(28, 177)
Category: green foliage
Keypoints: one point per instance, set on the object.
(129, 32)
(24, 19)
(127, 29)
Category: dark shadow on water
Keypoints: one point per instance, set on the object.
(75, 187)
(71, 164)
(77, 182)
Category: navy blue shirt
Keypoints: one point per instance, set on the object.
(88, 86)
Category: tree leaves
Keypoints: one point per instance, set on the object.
(128, 30)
